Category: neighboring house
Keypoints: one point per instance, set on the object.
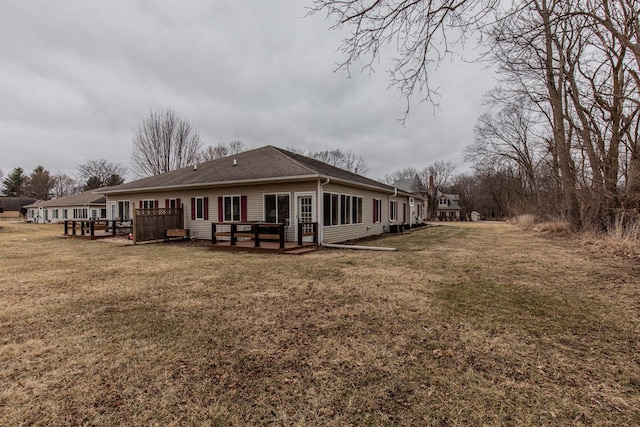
(14, 207)
(447, 207)
(273, 185)
(86, 205)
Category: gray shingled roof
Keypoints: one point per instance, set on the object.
(80, 199)
(266, 163)
(15, 203)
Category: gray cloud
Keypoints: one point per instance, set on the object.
(76, 77)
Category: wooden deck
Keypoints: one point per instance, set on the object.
(95, 229)
(290, 248)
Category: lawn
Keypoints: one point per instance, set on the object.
(466, 324)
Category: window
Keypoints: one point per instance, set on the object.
(377, 210)
(393, 210)
(148, 204)
(345, 209)
(123, 210)
(276, 208)
(80, 213)
(199, 208)
(65, 214)
(356, 210)
(331, 209)
(54, 214)
(103, 212)
(231, 208)
(172, 204)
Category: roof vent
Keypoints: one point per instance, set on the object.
(195, 167)
(235, 162)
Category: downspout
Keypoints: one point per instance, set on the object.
(321, 209)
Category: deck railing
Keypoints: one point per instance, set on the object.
(88, 227)
(260, 231)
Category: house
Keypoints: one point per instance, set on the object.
(270, 185)
(447, 207)
(86, 205)
(417, 189)
(14, 207)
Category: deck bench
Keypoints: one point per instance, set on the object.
(176, 233)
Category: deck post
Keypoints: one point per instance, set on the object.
(113, 226)
(73, 228)
(233, 234)
(82, 228)
(281, 230)
(92, 228)
(300, 227)
(256, 234)
(213, 234)
(66, 227)
(315, 233)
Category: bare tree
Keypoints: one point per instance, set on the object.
(346, 160)
(420, 29)
(217, 152)
(63, 185)
(406, 173)
(39, 184)
(164, 142)
(442, 173)
(236, 147)
(223, 150)
(100, 173)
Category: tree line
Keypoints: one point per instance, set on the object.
(162, 142)
(560, 136)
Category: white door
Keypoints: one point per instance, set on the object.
(305, 214)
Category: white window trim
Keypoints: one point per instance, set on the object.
(199, 218)
(378, 201)
(393, 213)
(147, 201)
(224, 207)
(264, 205)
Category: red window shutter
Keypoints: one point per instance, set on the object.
(205, 202)
(243, 208)
(220, 213)
(155, 204)
(166, 203)
(178, 205)
(193, 208)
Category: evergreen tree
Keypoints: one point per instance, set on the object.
(14, 183)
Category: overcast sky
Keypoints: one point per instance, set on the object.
(77, 76)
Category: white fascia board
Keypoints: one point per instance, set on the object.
(357, 184)
(214, 184)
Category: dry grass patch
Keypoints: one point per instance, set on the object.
(470, 324)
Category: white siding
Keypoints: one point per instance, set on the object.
(341, 233)
(200, 228)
